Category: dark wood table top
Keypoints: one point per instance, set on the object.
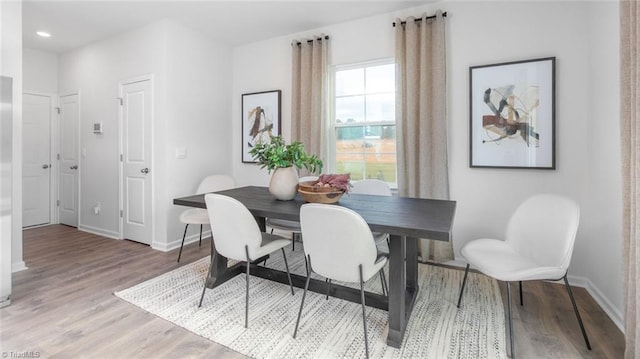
(403, 216)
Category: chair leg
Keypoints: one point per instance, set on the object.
(286, 265)
(383, 282)
(464, 280)
(328, 281)
(246, 307)
(293, 241)
(364, 313)
(208, 275)
(182, 245)
(200, 241)
(520, 285)
(513, 355)
(304, 294)
(575, 309)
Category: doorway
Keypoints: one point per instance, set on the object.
(38, 176)
(136, 117)
(69, 159)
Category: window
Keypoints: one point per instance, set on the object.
(364, 124)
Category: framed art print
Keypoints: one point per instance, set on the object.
(260, 120)
(512, 114)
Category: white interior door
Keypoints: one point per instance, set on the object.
(136, 161)
(69, 155)
(36, 159)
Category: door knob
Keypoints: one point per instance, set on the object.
(74, 167)
(45, 166)
(144, 170)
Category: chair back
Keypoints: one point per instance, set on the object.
(233, 227)
(544, 229)
(370, 186)
(338, 240)
(216, 183)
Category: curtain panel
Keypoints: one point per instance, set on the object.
(630, 148)
(421, 117)
(309, 94)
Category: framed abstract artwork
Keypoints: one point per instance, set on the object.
(512, 114)
(260, 120)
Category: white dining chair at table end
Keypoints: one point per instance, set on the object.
(199, 216)
(538, 245)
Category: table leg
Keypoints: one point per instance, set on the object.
(412, 264)
(397, 289)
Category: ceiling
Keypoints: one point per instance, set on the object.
(74, 24)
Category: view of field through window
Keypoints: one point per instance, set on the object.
(365, 128)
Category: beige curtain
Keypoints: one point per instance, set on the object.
(308, 97)
(630, 139)
(421, 117)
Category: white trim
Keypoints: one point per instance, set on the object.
(614, 313)
(175, 244)
(99, 231)
(18, 266)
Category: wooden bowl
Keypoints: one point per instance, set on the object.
(321, 197)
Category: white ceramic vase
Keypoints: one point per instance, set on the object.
(284, 183)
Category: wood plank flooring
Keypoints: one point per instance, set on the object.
(63, 306)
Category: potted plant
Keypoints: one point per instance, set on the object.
(284, 160)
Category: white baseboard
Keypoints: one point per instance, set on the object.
(18, 266)
(166, 247)
(614, 313)
(99, 231)
(605, 304)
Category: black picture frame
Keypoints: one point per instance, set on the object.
(512, 115)
(261, 119)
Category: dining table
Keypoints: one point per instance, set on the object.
(405, 219)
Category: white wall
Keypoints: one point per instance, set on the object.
(11, 65)
(198, 119)
(583, 38)
(191, 99)
(40, 71)
(11, 223)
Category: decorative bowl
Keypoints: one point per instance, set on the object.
(311, 187)
(328, 196)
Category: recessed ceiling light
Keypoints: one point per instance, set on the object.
(43, 34)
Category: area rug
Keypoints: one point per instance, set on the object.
(328, 328)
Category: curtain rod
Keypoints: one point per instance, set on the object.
(444, 14)
(310, 41)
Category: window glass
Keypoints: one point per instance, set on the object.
(364, 122)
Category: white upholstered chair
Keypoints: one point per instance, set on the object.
(236, 236)
(286, 225)
(538, 245)
(199, 216)
(378, 188)
(338, 245)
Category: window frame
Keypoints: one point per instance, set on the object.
(331, 163)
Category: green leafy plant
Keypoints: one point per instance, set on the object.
(277, 154)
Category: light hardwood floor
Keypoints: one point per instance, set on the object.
(63, 306)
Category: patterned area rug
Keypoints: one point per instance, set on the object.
(328, 328)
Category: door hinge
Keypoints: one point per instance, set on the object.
(58, 110)
(121, 157)
(120, 100)
(58, 157)
(121, 213)
(58, 202)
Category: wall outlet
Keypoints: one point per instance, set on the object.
(96, 209)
